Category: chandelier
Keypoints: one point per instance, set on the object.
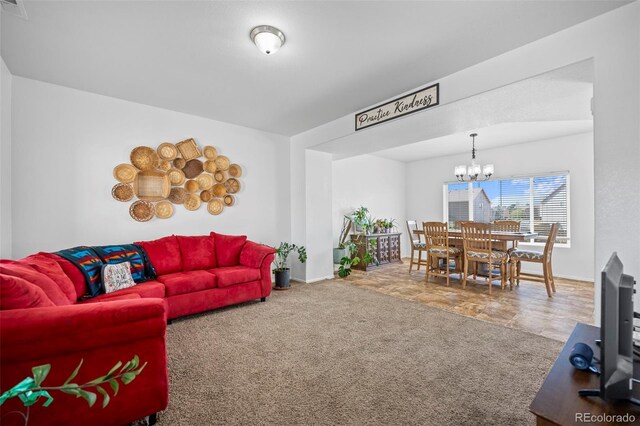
(473, 171)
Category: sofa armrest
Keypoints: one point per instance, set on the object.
(40, 332)
(253, 254)
(99, 334)
(265, 275)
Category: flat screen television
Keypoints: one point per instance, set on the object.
(616, 332)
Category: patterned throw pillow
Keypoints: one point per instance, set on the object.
(116, 276)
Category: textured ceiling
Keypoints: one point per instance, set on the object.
(340, 57)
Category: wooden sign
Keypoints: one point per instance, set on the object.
(413, 102)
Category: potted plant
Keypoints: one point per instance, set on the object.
(348, 260)
(362, 220)
(341, 251)
(387, 225)
(282, 270)
(352, 260)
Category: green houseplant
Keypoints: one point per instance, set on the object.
(282, 271)
(341, 251)
(362, 220)
(350, 260)
(30, 390)
(387, 224)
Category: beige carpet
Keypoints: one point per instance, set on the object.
(333, 354)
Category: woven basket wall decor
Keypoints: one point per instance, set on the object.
(176, 173)
(192, 168)
(188, 149)
(122, 192)
(164, 210)
(144, 158)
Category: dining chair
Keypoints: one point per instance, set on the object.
(478, 248)
(518, 256)
(437, 239)
(458, 223)
(416, 245)
(506, 226)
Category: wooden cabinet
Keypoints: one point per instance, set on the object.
(384, 247)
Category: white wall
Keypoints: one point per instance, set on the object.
(5, 160)
(374, 182)
(425, 180)
(318, 219)
(613, 42)
(66, 143)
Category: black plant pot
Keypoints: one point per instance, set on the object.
(282, 278)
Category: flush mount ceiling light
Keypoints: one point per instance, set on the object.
(267, 38)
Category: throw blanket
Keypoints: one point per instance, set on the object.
(89, 263)
(141, 269)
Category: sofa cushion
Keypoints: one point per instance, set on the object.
(45, 264)
(149, 289)
(164, 254)
(71, 271)
(17, 293)
(27, 273)
(228, 248)
(111, 297)
(187, 282)
(197, 252)
(231, 275)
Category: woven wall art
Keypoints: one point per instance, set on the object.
(176, 174)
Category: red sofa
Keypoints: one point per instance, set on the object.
(42, 321)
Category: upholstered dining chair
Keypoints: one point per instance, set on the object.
(436, 235)
(416, 245)
(478, 248)
(506, 226)
(518, 256)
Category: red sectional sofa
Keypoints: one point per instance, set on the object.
(42, 321)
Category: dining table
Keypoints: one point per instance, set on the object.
(502, 237)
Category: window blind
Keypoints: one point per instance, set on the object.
(550, 200)
(458, 202)
(509, 200)
(536, 201)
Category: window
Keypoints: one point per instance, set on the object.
(536, 201)
(458, 203)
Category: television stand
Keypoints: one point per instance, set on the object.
(558, 403)
(596, 392)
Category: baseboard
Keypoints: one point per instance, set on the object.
(315, 280)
